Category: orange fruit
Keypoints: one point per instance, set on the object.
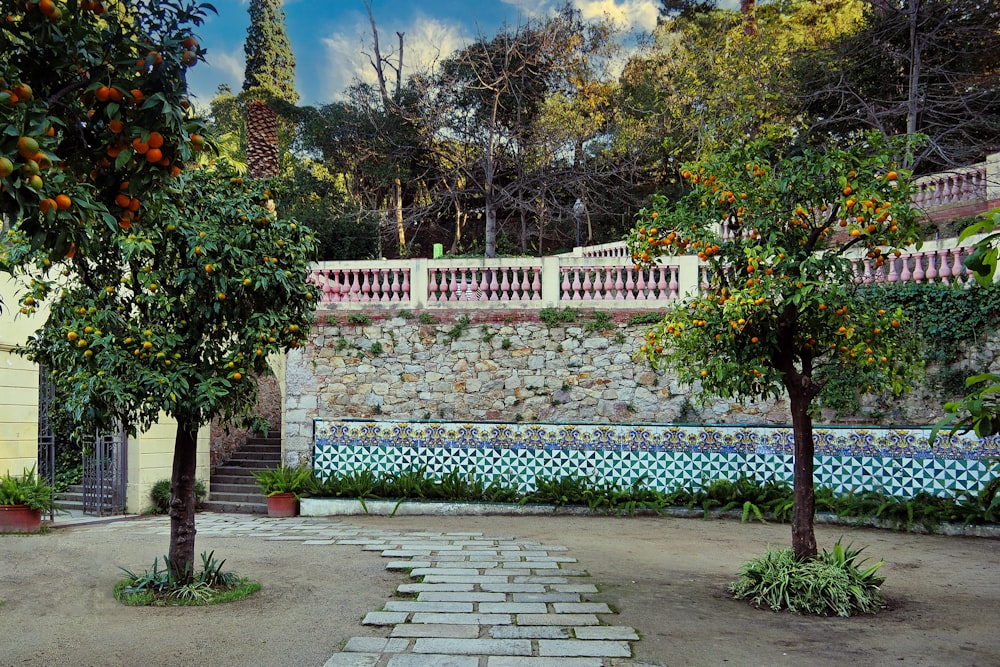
(237, 375)
(155, 139)
(27, 147)
(103, 94)
(116, 125)
(46, 7)
(154, 155)
(139, 146)
(47, 205)
(6, 167)
(63, 202)
(23, 92)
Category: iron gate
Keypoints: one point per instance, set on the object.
(103, 456)
(104, 474)
(46, 438)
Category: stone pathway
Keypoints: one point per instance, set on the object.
(477, 601)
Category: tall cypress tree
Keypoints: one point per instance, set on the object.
(270, 63)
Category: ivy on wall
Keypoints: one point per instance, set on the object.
(945, 318)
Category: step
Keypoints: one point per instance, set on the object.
(222, 487)
(242, 480)
(235, 507)
(243, 458)
(238, 497)
(274, 443)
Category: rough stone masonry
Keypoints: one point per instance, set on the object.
(495, 366)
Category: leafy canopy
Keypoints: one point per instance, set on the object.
(776, 229)
(166, 287)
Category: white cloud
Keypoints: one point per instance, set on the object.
(232, 65)
(627, 14)
(426, 41)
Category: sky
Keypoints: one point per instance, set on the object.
(330, 37)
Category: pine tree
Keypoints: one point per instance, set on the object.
(270, 63)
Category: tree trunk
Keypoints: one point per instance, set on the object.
(748, 8)
(398, 206)
(913, 94)
(182, 500)
(804, 511)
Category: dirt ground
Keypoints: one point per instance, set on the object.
(666, 577)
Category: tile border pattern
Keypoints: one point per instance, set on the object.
(898, 461)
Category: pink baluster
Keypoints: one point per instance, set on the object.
(493, 286)
(576, 284)
(663, 285)
(588, 285)
(606, 284)
(918, 269)
(355, 286)
(945, 271)
(619, 283)
(504, 287)
(335, 286)
(641, 286)
(565, 284)
(384, 289)
(932, 272)
(868, 276)
(630, 285)
(434, 285)
(405, 296)
(453, 286)
(536, 284)
(961, 274)
(905, 274)
(518, 284)
(893, 274)
(674, 283)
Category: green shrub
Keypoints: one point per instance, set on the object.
(160, 496)
(160, 587)
(833, 583)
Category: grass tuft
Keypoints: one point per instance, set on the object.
(832, 584)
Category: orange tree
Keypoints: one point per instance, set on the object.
(775, 226)
(166, 288)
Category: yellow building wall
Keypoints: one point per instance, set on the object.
(18, 386)
(150, 454)
(151, 458)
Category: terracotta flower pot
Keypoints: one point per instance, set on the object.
(19, 519)
(282, 505)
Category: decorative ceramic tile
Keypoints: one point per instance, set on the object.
(894, 461)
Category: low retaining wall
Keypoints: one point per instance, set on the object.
(896, 461)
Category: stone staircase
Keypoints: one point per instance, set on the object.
(233, 488)
(71, 499)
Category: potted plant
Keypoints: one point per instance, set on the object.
(282, 486)
(23, 500)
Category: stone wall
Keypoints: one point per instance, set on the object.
(514, 368)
